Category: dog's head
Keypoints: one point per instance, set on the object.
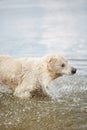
(59, 65)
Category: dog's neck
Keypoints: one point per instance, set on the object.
(54, 75)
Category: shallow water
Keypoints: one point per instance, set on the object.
(39, 27)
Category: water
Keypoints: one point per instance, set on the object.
(39, 27)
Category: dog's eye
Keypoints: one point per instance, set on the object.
(63, 65)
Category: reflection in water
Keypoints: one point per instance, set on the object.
(36, 28)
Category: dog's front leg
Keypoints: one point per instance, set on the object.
(45, 87)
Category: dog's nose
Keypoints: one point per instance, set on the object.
(73, 71)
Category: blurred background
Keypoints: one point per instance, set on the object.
(39, 27)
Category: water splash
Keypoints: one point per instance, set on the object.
(68, 87)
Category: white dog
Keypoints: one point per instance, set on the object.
(31, 76)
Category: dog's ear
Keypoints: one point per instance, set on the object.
(50, 61)
(50, 58)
